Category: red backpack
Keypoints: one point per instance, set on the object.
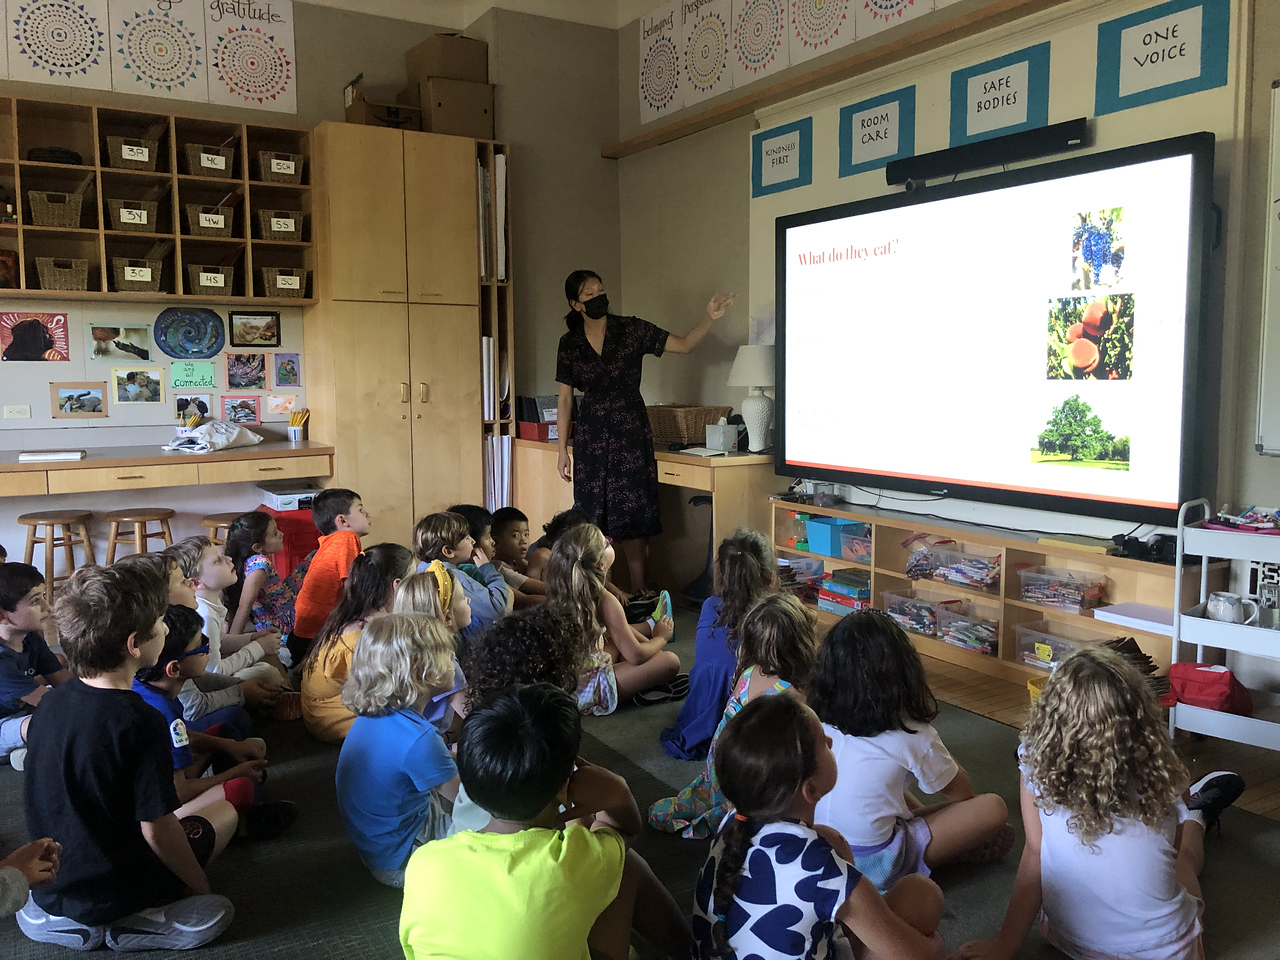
(1208, 686)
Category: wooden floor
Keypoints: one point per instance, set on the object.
(1006, 702)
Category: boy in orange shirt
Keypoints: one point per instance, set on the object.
(342, 520)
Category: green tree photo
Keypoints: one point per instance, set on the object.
(1075, 435)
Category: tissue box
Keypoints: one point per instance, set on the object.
(722, 436)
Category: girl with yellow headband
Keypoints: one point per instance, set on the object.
(435, 593)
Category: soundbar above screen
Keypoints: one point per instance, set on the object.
(1029, 338)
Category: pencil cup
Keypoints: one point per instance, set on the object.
(295, 434)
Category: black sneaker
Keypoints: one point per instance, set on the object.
(1212, 794)
(268, 820)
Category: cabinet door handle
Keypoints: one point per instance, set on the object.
(269, 469)
(391, 291)
(404, 393)
(428, 294)
(133, 476)
(424, 393)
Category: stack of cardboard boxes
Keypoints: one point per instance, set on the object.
(448, 92)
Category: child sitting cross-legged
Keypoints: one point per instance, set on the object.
(369, 591)
(396, 781)
(538, 556)
(342, 520)
(777, 651)
(99, 778)
(869, 690)
(435, 593)
(531, 884)
(776, 883)
(1115, 838)
(28, 667)
(447, 537)
(259, 598)
(623, 663)
(238, 766)
(510, 534)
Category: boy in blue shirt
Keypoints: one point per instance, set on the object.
(447, 537)
(27, 666)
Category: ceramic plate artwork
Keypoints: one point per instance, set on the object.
(191, 334)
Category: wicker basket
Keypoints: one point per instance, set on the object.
(284, 282)
(129, 274)
(208, 228)
(51, 209)
(57, 274)
(270, 223)
(142, 154)
(195, 285)
(140, 215)
(683, 422)
(202, 160)
(279, 167)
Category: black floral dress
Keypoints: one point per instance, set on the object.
(615, 478)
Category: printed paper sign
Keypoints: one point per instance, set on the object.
(251, 57)
(875, 131)
(136, 154)
(286, 282)
(192, 375)
(60, 41)
(759, 38)
(214, 161)
(282, 224)
(782, 158)
(819, 26)
(1162, 52)
(138, 274)
(1001, 96)
(133, 216)
(212, 280)
(282, 166)
(214, 221)
(705, 49)
(661, 92)
(158, 49)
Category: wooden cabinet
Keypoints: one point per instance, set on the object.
(255, 471)
(442, 233)
(362, 220)
(123, 478)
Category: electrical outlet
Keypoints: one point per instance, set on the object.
(17, 411)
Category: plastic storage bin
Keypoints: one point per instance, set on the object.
(1044, 643)
(824, 534)
(915, 613)
(963, 628)
(965, 569)
(1073, 590)
(855, 543)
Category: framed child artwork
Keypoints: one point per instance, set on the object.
(245, 411)
(257, 329)
(282, 406)
(78, 401)
(138, 384)
(288, 369)
(246, 371)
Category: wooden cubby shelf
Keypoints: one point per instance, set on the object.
(1126, 580)
(175, 146)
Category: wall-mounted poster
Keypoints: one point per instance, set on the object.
(288, 369)
(130, 343)
(138, 384)
(34, 336)
(252, 62)
(193, 375)
(245, 411)
(873, 16)
(876, 131)
(759, 39)
(78, 401)
(782, 158)
(59, 41)
(246, 371)
(661, 92)
(1162, 52)
(705, 49)
(260, 329)
(282, 405)
(189, 405)
(1008, 94)
(819, 26)
(158, 49)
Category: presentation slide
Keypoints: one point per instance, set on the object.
(1029, 338)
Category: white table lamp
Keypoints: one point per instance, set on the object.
(753, 367)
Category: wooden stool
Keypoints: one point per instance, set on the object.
(68, 521)
(138, 518)
(219, 525)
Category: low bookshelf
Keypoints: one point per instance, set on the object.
(1126, 580)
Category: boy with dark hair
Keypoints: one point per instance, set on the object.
(100, 780)
(510, 535)
(238, 764)
(27, 666)
(342, 520)
(447, 537)
(529, 885)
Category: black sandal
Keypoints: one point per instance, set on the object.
(677, 689)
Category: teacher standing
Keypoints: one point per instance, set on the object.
(614, 474)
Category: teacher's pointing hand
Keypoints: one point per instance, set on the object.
(718, 304)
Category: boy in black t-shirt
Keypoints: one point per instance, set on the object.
(27, 666)
(99, 780)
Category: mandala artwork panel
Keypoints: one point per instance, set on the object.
(819, 26)
(759, 39)
(252, 63)
(661, 92)
(706, 47)
(158, 52)
(59, 41)
(872, 16)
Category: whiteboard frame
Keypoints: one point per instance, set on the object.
(1270, 286)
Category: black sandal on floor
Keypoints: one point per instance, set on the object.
(677, 689)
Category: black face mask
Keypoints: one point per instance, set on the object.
(596, 307)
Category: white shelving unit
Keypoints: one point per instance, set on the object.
(1190, 625)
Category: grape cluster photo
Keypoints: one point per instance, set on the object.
(1097, 249)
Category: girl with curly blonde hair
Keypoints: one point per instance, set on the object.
(1113, 853)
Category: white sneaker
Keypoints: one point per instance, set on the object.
(181, 925)
(44, 927)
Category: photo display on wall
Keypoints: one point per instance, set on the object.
(237, 54)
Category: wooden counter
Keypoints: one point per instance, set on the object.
(136, 467)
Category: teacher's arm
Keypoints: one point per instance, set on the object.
(715, 310)
(564, 410)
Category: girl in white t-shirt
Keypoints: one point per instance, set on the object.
(1113, 855)
(869, 690)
